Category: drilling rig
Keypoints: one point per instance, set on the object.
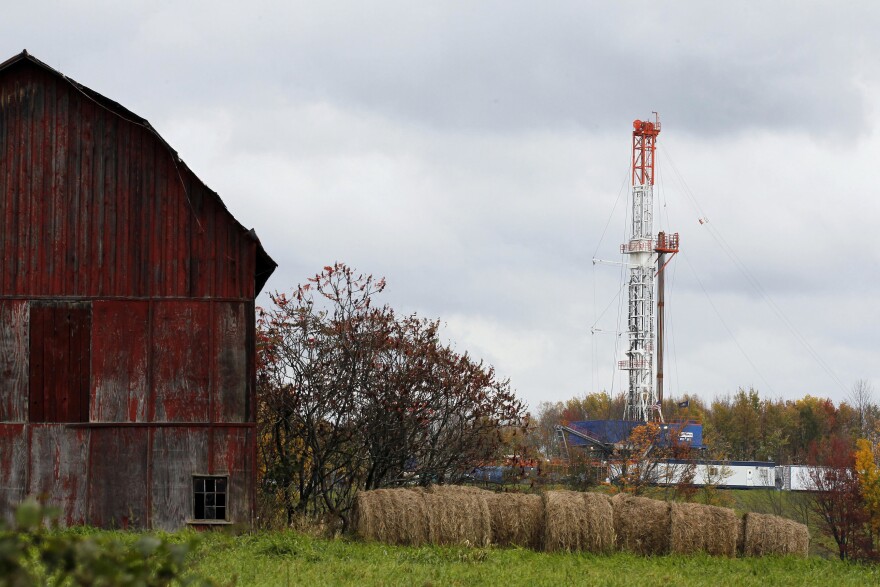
(647, 258)
(647, 255)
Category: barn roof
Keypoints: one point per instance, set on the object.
(265, 265)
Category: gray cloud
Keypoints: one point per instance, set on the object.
(472, 153)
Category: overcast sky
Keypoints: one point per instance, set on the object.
(474, 153)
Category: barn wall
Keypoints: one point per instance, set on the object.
(181, 334)
(120, 361)
(97, 212)
(59, 469)
(14, 330)
(118, 477)
(229, 362)
(13, 468)
(233, 455)
(120, 214)
(178, 453)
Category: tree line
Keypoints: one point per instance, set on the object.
(739, 426)
(840, 443)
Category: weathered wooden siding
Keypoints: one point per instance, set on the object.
(14, 330)
(59, 469)
(60, 350)
(13, 468)
(230, 363)
(178, 454)
(110, 243)
(135, 476)
(118, 477)
(181, 369)
(120, 361)
(117, 214)
(233, 455)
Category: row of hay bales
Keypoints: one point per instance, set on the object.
(569, 521)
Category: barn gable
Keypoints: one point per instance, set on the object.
(126, 316)
(98, 204)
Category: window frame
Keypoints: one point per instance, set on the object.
(215, 492)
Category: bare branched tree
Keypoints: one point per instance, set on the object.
(862, 399)
(352, 397)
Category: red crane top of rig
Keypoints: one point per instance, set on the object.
(644, 144)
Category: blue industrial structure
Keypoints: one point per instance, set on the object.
(604, 434)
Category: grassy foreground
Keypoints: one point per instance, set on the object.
(288, 558)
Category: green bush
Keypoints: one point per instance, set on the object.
(35, 552)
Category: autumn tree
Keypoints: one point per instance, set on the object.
(869, 485)
(352, 397)
(644, 459)
(836, 496)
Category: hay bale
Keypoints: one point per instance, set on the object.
(393, 516)
(576, 521)
(517, 519)
(458, 515)
(457, 489)
(696, 528)
(768, 534)
(642, 525)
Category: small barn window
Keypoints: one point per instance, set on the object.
(209, 497)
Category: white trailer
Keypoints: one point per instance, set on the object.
(724, 474)
(796, 477)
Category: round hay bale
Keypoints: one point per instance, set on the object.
(458, 515)
(696, 528)
(393, 516)
(642, 525)
(517, 519)
(576, 521)
(768, 534)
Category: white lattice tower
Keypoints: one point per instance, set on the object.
(641, 398)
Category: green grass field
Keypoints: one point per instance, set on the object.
(289, 558)
(279, 558)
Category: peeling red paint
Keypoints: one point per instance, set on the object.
(105, 232)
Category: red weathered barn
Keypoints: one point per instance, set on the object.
(126, 317)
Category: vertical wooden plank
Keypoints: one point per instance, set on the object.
(208, 250)
(13, 468)
(180, 243)
(22, 210)
(36, 371)
(157, 244)
(229, 363)
(120, 361)
(59, 469)
(77, 278)
(232, 457)
(178, 454)
(14, 335)
(32, 186)
(221, 228)
(5, 169)
(251, 358)
(55, 394)
(180, 343)
(80, 319)
(118, 469)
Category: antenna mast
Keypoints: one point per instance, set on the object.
(643, 399)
